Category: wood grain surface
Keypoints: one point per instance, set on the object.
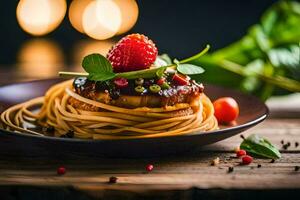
(174, 172)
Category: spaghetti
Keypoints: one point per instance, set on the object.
(109, 121)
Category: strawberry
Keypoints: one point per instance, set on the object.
(133, 52)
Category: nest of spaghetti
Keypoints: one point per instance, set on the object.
(131, 93)
(87, 109)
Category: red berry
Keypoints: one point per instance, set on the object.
(241, 153)
(133, 52)
(121, 82)
(160, 81)
(61, 170)
(247, 160)
(149, 168)
(180, 79)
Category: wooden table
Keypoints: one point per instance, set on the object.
(188, 176)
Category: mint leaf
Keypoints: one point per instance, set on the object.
(189, 69)
(260, 146)
(98, 67)
(287, 57)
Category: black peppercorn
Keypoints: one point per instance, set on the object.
(297, 168)
(242, 136)
(272, 161)
(288, 144)
(285, 146)
(282, 142)
(230, 169)
(296, 144)
(259, 166)
(113, 179)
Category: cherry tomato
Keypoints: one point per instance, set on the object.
(121, 82)
(180, 79)
(226, 109)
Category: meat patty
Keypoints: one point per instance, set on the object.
(129, 99)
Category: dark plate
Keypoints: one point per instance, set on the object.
(252, 112)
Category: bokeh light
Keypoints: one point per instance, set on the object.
(101, 19)
(76, 10)
(39, 17)
(129, 12)
(89, 46)
(40, 57)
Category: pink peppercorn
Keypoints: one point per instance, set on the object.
(241, 153)
(61, 170)
(149, 168)
(246, 160)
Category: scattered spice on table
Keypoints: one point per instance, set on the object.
(242, 136)
(282, 141)
(112, 179)
(241, 153)
(230, 169)
(285, 146)
(215, 161)
(149, 168)
(61, 170)
(296, 144)
(258, 165)
(236, 149)
(297, 168)
(246, 160)
(272, 161)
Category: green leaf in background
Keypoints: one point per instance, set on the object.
(272, 41)
(259, 146)
(288, 57)
(189, 69)
(98, 67)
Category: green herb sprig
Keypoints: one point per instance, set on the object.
(98, 68)
(259, 146)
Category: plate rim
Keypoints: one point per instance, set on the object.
(244, 126)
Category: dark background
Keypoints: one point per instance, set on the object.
(179, 27)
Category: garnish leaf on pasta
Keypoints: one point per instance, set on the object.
(98, 67)
(189, 69)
